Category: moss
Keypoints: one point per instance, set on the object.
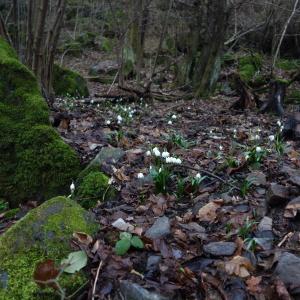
(69, 83)
(34, 163)
(93, 187)
(11, 213)
(288, 64)
(293, 97)
(249, 65)
(44, 233)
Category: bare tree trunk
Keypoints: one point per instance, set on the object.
(3, 30)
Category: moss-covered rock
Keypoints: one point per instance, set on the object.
(69, 83)
(93, 187)
(44, 233)
(249, 65)
(35, 163)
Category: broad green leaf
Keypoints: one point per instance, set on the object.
(125, 236)
(136, 242)
(122, 246)
(75, 261)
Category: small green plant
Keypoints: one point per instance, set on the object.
(3, 205)
(245, 231)
(228, 227)
(196, 181)
(180, 190)
(245, 187)
(279, 144)
(255, 155)
(126, 241)
(160, 178)
(179, 140)
(250, 243)
(231, 162)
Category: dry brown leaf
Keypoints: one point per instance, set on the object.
(83, 238)
(253, 284)
(281, 290)
(292, 208)
(209, 211)
(239, 266)
(119, 174)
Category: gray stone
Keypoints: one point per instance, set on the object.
(220, 248)
(153, 262)
(288, 269)
(295, 180)
(264, 239)
(257, 178)
(160, 228)
(133, 291)
(108, 67)
(107, 154)
(288, 171)
(265, 224)
(277, 194)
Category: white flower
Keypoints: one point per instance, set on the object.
(234, 131)
(72, 187)
(221, 147)
(279, 123)
(98, 105)
(119, 118)
(170, 122)
(107, 122)
(174, 117)
(92, 101)
(159, 170)
(169, 160)
(156, 152)
(178, 161)
(281, 128)
(271, 138)
(148, 153)
(198, 176)
(165, 154)
(140, 176)
(130, 115)
(257, 137)
(247, 156)
(258, 149)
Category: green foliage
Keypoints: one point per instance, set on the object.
(69, 83)
(180, 190)
(126, 241)
(255, 155)
(245, 187)
(231, 162)
(44, 233)
(3, 205)
(288, 64)
(161, 177)
(106, 45)
(279, 143)
(93, 187)
(179, 141)
(35, 163)
(86, 39)
(248, 227)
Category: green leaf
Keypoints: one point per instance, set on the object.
(75, 261)
(136, 242)
(122, 246)
(125, 236)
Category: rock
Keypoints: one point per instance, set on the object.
(277, 194)
(108, 155)
(69, 83)
(152, 265)
(265, 239)
(265, 224)
(220, 248)
(257, 178)
(288, 269)
(35, 163)
(291, 128)
(160, 228)
(133, 291)
(295, 180)
(292, 208)
(108, 67)
(44, 233)
(288, 171)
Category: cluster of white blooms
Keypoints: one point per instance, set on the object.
(119, 119)
(174, 117)
(156, 152)
(165, 154)
(173, 160)
(280, 125)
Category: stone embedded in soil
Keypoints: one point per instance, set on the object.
(220, 248)
(104, 67)
(295, 180)
(292, 208)
(288, 270)
(257, 178)
(152, 265)
(108, 155)
(160, 228)
(133, 291)
(265, 224)
(277, 194)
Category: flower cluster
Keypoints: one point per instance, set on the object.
(165, 154)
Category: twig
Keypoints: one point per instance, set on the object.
(284, 239)
(211, 175)
(96, 279)
(113, 82)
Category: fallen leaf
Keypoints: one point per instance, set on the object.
(119, 174)
(281, 290)
(122, 225)
(253, 284)
(75, 262)
(239, 266)
(83, 238)
(292, 208)
(209, 211)
(44, 272)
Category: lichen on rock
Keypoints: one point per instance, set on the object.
(44, 233)
(35, 163)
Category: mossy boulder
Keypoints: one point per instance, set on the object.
(44, 233)
(35, 163)
(249, 65)
(93, 187)
(69, 83)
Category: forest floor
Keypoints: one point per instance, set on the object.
(242, 201)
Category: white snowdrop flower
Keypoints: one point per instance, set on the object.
(72, 187)
(234, 131)
(170, 122)
(98, 105)
(178, 161)
(210, 131)
(174, 117)
(156, 152)
(125, 109)
(92, 101)
(159, 170)
(258, 130)
(258, 149)
(119, 118)
(279, 123)
(189, 107)
(247, 156)
(148, 153)
(146, 105)
(281, 128)
(198, 176)
(271, 138)
(141, 99)
(256, 137)
(165, 154)
(107, 122)
(140, 176)
(150, 168)
(221, 147)
(130, 115)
